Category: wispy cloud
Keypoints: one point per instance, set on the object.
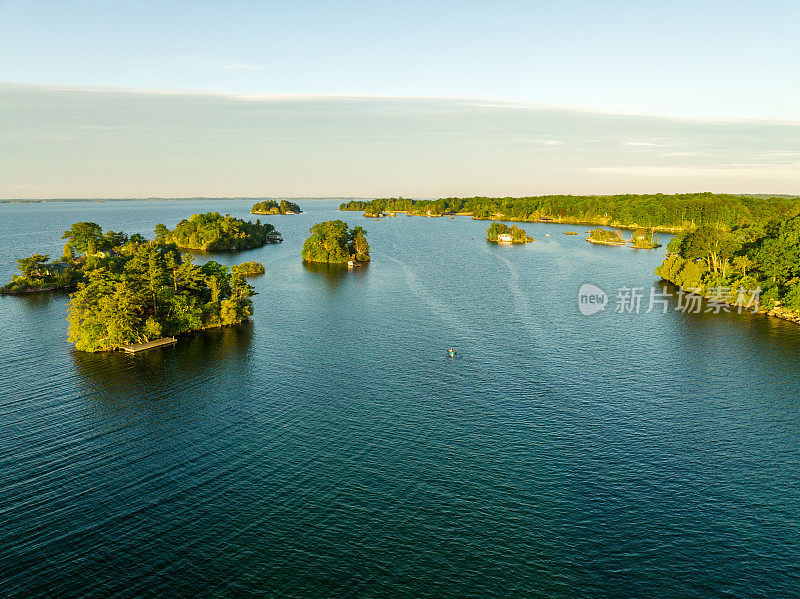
(728, 171)
(643, 144)
(236, 66)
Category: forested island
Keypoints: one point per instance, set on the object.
(213, 232)
(273, 207)
(659, 212)
(605, 237)
(133, 290)
(333, 242)
(642, 239)
(729, 265)
(249, 269)
(500, 232)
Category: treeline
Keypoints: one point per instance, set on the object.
(273, 207)
(729, 264)
(661, 211)
(212, 231)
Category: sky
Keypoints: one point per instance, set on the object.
(423, 99)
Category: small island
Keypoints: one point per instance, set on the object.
(273, 207)
(213, 232)
(502, 233)
(642, 239)
(132, 293)
(605, 237)
(333, 242)
(249, 269)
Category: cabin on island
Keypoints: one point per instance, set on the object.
(274, 237)
(505, 238)
(56, 268)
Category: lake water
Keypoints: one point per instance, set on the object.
(331, 448)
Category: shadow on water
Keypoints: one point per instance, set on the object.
(37, 299)
(764, 338)
(333, 274)
(167, 375)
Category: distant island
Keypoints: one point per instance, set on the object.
(249, 269)
(659, 212)
(745, 266)
(643, 239)
(131, 290)
(213, 232)
(502, 233)
(605, 237)
(273, 207)
(333, 242)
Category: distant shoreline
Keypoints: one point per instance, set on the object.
(100, 200)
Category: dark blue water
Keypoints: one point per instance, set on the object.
(331, 448)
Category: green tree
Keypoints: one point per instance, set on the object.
(81, 234)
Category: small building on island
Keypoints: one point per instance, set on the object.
(505, 238)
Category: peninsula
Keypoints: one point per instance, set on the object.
(752, 266)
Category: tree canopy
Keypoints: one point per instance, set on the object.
(758, 256)
(131, 290)
(518, 234)
(273, 207)
(332, 241)
(212, 231)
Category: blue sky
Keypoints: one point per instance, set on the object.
(734, 61)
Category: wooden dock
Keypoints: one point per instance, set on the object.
(137, 347)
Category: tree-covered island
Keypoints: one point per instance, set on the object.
(131, 290)
(660, 212)
(249, 269)
(735, 265)
(642, 239)
(605, 237)
(333, 242)
(213, 232)
(500, 232)
(273, 207)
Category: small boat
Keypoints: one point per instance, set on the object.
(353, 263)
(547, 234)
(451, 352)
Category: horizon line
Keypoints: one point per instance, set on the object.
(344, 197)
